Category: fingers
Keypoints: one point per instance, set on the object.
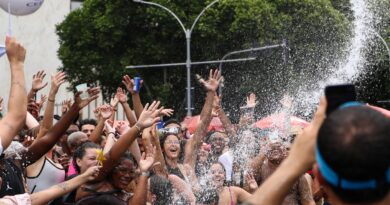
(146, 107)
(320, 113)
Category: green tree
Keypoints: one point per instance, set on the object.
(99, 40)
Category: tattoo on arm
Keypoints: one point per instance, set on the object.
(63, 186)
(18, 84)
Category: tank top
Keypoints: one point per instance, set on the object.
(12, 178)
(49, 175)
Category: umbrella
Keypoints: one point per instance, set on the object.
(278, 121)
(193, 122)
(382, 110)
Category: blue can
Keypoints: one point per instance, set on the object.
(137, 84)
(160, 125)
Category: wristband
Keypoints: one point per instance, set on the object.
(111, 133)
(138, 127)
(50, 100)
(146, 174)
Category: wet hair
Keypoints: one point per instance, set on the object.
(164, 138)
(80, 152)
(73, 138)
(87, 122)
(162, 188)
(355, 143)
(127, 156)
(211, 133)
(172, 121)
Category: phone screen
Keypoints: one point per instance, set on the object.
(337, 95)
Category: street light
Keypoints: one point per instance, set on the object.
(187, 33)
(384, 43)
(283, 45)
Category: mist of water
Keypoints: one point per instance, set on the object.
(352, 66)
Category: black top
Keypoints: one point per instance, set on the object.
(11, 177)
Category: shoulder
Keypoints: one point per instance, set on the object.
(16, 199)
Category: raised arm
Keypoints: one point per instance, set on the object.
(211, 85)
(218, 110)
(137, 104)
(13, 121)
(56, 81)
(47, 195)
(300, 159)
(122, 98)
(37, 84)
(145, 164)
(161, 169)
(44, 144)
(148, 117)
(104, 112)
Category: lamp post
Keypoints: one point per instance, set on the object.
(384, 43)
(187, 33)
(283, 45)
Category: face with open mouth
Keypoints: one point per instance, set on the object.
(217, 141)
(217, 175)
(172, 147)
(276, 152)
(203, 153)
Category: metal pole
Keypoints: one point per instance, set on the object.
(188, 40)
(192, 63)
(384, 42)
(188, 66)
(245, 51)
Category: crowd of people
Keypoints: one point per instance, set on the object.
(343, 158)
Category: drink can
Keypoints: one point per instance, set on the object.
(137, 84)
(160, 125)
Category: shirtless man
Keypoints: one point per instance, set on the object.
(264, 165)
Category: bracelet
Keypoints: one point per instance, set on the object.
(50, 100)
(146, 174)
(138, 127)
(111, 133)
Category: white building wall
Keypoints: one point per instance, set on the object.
(37, 33)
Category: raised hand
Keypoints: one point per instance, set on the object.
(105, 111)
(65, 105)
(37, 82)
(251, 100)
(250, 180)
(16, 53)
(56, 81)
(147, 159)
(167, 112)
(121, 95)
(93, 94)
(114, 102)
(213, 82)
(129, 83)
(41, 101)
(149, 115)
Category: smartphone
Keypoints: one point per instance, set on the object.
(337, 95)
